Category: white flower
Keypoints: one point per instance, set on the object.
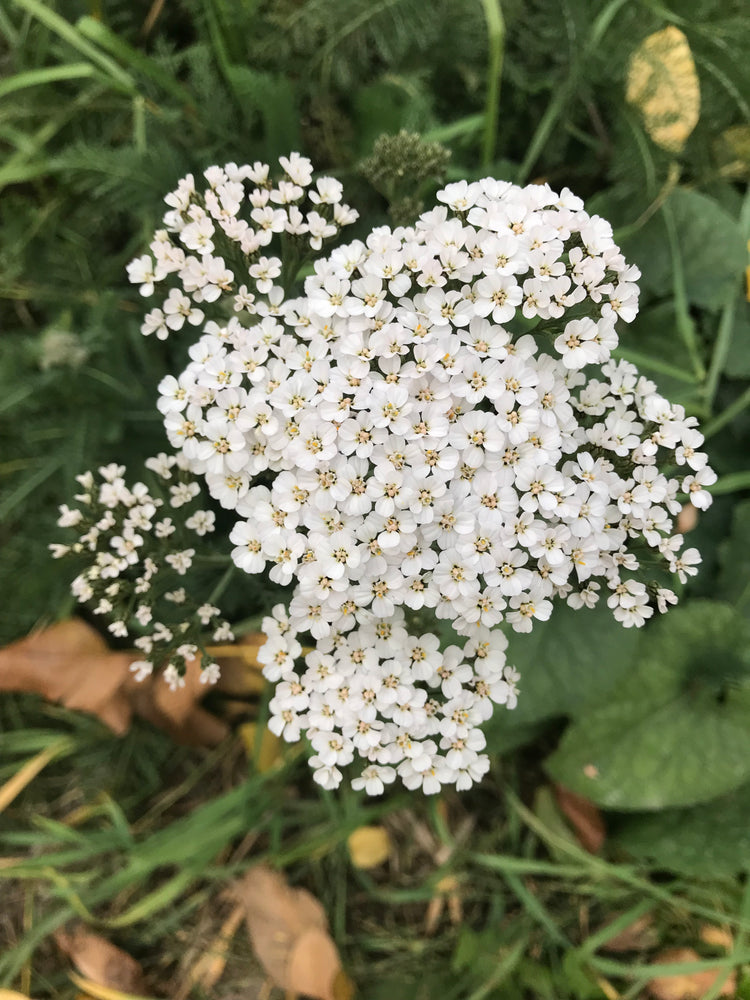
(201, 522)
(416, 451)
(142, 669)
(180, 561)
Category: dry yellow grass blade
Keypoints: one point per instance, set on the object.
(23, 777)
(209, 968)
(92, 989)
(663, 84)
(12, 995)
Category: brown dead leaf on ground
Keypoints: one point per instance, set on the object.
(288, 930)
(690, 986)
(717, 937)
(584, 817)
(70, 663)
(638, 936)
(100, 961)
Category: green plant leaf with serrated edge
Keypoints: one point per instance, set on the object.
(676, 731)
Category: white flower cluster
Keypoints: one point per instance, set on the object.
(214, 219)
(132, 562)
(439, 429)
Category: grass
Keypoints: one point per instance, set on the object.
(141, 839)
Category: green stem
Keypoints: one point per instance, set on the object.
(685, 324)
(655, 364)
(493, 15)
(222, 585)
(720, 351)
(731, 483)
(543, 131)
(727, 416)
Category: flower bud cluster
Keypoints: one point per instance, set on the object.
(137, 560)
(435, 427)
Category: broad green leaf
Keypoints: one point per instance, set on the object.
(570, 662)
(737, 364)
(712, 248)
(663, 84)
(653, 342)
(734, 558)
(676, 731)
(710, 839)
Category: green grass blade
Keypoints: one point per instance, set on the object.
(70, 34)
(48, 74)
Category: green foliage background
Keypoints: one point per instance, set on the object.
(104, 104)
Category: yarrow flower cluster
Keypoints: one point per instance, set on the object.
(434, 430)
(135, 558)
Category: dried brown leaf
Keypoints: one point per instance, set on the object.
(289, 933)
(100, 961)
(584, 817)
(717, 937)
(691, 986)
(70, 663)
(638, 936)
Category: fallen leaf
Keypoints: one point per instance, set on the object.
(369, 846)
(689, 986)
(584, 817)
(717, 937)
(100, 961)
(663, 84)
(266, 751)
(70, 663)
(289, 933)
(638, 936)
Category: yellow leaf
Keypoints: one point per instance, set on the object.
(12, 995)
(663, 84)
(717, 937)
(266, 753)
(732, 150)
(369, 846)
(99, 992)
